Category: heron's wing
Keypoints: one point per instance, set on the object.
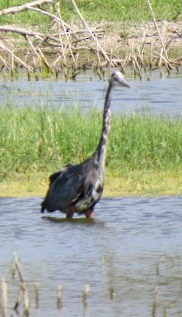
(65, 187)
(53, 176)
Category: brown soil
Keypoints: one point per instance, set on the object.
(124, 44)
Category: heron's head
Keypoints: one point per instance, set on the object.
(117, 79)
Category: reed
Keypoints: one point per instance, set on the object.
(39, 139)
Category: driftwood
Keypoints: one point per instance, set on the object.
(62, 40)
(66, 49)
(160, 37)
(23, 7)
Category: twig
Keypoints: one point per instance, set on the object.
(23, 7)
(155, 23)
(4, 296)
(6, 49)
(90, 32)
(23, 287)
(50, 15)
(59, 296)
(8, 28)
(66, 34)
(5, 63)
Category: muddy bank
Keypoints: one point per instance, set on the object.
(151, 183)
(114, 44)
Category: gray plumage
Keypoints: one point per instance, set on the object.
(77, 188)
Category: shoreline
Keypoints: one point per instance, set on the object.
(137, 45)
(136, 184)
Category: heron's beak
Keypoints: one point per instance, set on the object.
(124, 83)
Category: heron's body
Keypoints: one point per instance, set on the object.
(77, 188)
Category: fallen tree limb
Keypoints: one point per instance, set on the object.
(7, 28)
(90, 32)
(50, 15)
(23, 7)
(13, 56)
(160, 37)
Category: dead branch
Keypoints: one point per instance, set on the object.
(23, 7)
(50, 15)
(160, 37)
(8, 28)
(90, 32)
(6, 49)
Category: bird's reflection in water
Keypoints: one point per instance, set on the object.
(80, 221)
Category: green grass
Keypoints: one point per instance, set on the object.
(129, 11)
(39, 140)
(98, 10)
(25, 17)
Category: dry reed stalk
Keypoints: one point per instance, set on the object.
(5, 63)
(141, 51)
(38, 53)
(32, 46)
(50, 15)
(156, 26)
(85, 294)
(23, 288)
(151, 53)
(126, 60)
(7, 50)
(23, 7)
(4, 297)
(55, 62)
(62, 49)
(37, 288)
(67, 34)
(59, 296)
(90, 32)
(44, 60)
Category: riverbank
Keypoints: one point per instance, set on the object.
(138, 183)
(86, 39)
(144, 151)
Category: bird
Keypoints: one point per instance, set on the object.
(78, 188)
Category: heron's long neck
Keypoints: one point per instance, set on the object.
(102, 146)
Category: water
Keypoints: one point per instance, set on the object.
(155, 94)
(130, 255)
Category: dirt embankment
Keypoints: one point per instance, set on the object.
(132, 36)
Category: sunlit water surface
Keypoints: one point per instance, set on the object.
(130, 255)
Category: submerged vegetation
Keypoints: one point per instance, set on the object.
(43, 140)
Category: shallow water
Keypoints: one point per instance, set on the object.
(130, 255)
(159, 95)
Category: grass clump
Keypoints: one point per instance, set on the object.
(27, 17)
(129, 11)
(36, 140)
(96, 11)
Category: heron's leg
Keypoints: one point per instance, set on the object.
(89, 213)
(70, 213)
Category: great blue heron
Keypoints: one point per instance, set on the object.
(77, 188)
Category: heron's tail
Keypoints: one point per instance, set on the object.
(42, 207)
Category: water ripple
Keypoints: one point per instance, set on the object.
(132, 250)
